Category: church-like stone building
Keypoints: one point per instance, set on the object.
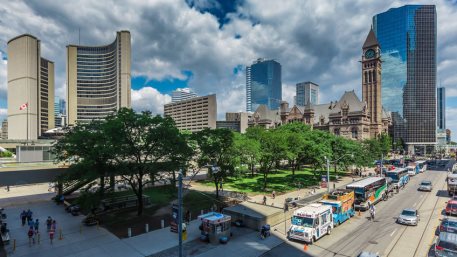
(349, 117)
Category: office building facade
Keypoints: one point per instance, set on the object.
(193, 114)
(59, 112)
(407, 36)
(98, 79)
(306, 92)
(5, 129)
(236, 121)
(441, 108)
(263, 84)
(181, 94)
(30, 89)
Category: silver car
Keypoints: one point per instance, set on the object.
(446, 245)
(425, 185)
(408, 217)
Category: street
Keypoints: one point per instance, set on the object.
(383, 236)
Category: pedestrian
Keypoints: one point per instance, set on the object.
(221, 187)
(29, 215)
(48, 223)
(273, 194)
(30, 235)
(51, 235)
(31, 224)
(54, 225)
(7, 188)
(187, 216)
(264, 200)
(36, 225)
(23, 217)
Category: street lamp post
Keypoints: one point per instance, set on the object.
(180, 212)
(328, 169)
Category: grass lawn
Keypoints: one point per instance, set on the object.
(279, 181)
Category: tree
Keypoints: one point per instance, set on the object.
(341, 151)
(216, 151)
(295, 135)
(145, 145)
(272, 149)
(86, 146)
(248, 149)
(317, 147)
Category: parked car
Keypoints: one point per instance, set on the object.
(448, 224)
(446, 245)
(425, 185)
(451, 207)
(409, 216)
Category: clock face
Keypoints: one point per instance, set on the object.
(370, 53)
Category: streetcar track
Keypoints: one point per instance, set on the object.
(422, 235)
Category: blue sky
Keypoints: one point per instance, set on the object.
(205, 44)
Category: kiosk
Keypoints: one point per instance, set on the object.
(215, 227)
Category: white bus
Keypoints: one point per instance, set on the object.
(422, 166)
(368, 191)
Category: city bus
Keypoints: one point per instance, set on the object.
(422, 166)
(399, 176)
(368, 191)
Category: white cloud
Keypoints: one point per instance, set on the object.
(149, 99)
(317, 41)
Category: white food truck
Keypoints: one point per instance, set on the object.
(311, 222)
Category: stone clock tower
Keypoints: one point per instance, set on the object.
(371, 82)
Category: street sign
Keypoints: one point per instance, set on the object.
(324, 181)
(174, 218)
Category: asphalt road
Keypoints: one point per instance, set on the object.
(383, 236)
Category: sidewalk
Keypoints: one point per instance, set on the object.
(161, 239)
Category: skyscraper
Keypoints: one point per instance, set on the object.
(30, 89)
(307, 92)
(407, 36)
(441, 110)
(98, 79)
(263, 84)
(182, 94)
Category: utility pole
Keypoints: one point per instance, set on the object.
(180, 212)
(328, 174)
(382, 164)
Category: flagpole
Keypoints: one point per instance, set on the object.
(27, 107)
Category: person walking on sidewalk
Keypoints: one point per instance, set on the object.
(36, 225)
(23, 217)
(30, 235)
(29, 215)
(273, 194)
(264, 200)
(51, 235)
(48, 223)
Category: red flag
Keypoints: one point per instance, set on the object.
(24, 106)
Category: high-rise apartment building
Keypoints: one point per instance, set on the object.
(5, 129)
(263, 84)
(407, 36)
(182, 94)
(441, 108)
(98, 79)
(30, 89)
(193, 114)
(307, 92)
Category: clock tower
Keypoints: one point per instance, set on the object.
(371, 82)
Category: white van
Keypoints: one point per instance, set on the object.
(311, 222)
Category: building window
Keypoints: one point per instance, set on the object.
(369, 76)
(355, 133)
(337, 131)
(366, 77)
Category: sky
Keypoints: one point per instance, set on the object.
(205, 45)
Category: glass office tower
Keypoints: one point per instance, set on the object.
(407, 36)
(263, 84)
(441, 102)
(307, 92)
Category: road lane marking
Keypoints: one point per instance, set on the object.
(414, 204)
(393, 232)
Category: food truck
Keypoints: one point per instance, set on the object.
(215, 227)
(311, 222)
(342, 203)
